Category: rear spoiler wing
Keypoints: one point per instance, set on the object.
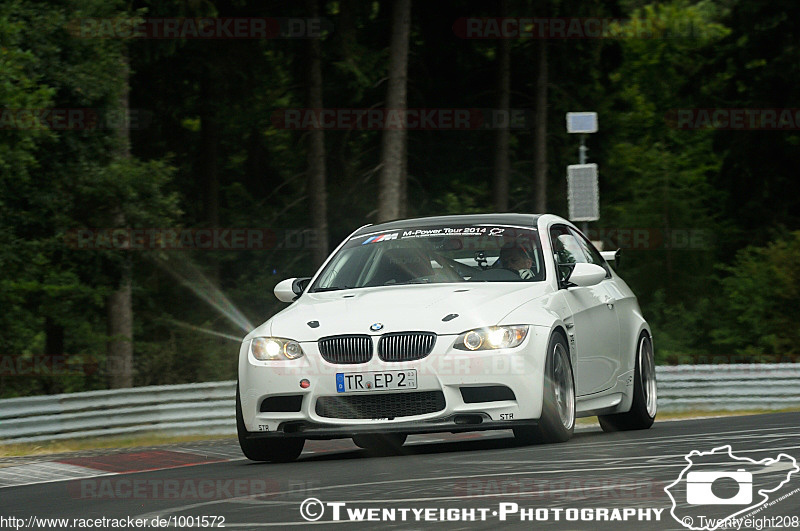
(611, 256)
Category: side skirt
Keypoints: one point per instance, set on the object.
(617, 399)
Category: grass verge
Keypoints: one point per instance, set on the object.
(697, 414)
(99, 443)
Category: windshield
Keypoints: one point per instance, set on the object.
(434, 255)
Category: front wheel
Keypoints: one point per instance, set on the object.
(274, 450)
(557, 422)
(645, 394)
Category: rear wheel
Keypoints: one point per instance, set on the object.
(380, 442)
(558, 408)
(645, 393)
(274, 450)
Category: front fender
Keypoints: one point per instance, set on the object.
(547, 323)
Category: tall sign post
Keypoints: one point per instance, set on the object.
(583, 191)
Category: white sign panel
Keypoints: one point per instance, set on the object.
(581, 122)
(583, 192)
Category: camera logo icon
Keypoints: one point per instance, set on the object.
(699, 491)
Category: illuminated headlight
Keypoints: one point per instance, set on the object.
(275, 348)
(492, 338)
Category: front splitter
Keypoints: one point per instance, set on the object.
(453, 424)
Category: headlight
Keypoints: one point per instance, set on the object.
(275, 348)
(492, 338)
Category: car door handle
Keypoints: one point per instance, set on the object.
(610, 302)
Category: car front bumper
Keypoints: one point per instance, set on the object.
(444, 370)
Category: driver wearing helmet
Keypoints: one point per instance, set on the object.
(518, 260)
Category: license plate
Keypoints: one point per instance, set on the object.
(376, 381)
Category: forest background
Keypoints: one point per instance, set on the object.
(109, 122)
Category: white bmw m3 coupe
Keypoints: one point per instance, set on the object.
(448, 324)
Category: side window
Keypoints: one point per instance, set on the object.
(591, 253)
(567, 250)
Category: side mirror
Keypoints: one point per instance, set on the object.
(586, 275)
(290, 289)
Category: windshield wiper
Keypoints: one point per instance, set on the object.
(331, 288)
(412, 281)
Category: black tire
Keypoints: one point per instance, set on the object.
(273, 450)
(645, 393)
(380, 442)
(557, 422)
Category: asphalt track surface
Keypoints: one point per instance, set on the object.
(451, 474)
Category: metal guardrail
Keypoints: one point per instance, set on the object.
(728, 387)
(209, 408)
(187, 409)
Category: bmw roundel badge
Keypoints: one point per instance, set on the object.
(376, 326)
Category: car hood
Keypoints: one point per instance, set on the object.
(400, 308)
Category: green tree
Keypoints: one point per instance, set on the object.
(56, 180)
(761, 290)
(657, 189)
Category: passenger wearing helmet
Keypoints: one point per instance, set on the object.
(517, 260)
